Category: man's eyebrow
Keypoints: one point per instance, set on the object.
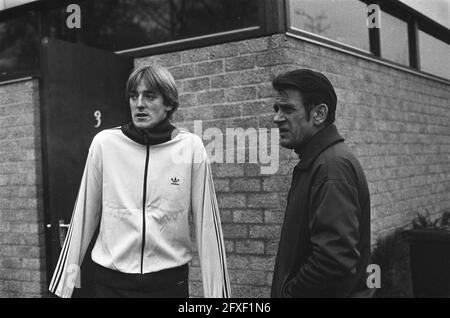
(281, 98)
(285, 104)
(134, 91)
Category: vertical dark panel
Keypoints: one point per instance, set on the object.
(274, 16)
(374, 41)
(413, 40)
(77, 81)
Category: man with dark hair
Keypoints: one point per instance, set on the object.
(324, 247)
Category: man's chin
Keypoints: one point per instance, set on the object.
(286, 144)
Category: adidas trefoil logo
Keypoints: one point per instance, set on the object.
(175, 181)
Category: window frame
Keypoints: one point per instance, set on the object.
(406, 20)
(319, 38)
(270, 21)
(418, 51)
(415, 21)
(265, 21)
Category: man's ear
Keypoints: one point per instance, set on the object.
(168, 107)
(319, 114)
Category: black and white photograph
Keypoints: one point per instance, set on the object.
(241, 150)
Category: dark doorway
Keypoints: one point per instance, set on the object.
(82, 92)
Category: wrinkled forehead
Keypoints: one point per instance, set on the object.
(281, 97)
(288, 96)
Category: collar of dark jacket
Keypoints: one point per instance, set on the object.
(319, 142)
(159, 134)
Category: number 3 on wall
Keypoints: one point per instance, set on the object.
(98, 118)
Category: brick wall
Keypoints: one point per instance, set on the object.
(22, 256)
(397, 124)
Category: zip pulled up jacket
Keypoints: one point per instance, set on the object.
(142, 195)
(324, 246)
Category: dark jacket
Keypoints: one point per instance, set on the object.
(325, 240)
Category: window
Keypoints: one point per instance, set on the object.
(341, 20)
(434, 55)
(19, 45)
(120, 25)
(404, 36)
(117, 25)
(394, 39)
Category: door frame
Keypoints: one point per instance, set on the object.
(51, 217)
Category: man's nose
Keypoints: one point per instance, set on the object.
(139, 101)
(278, 118)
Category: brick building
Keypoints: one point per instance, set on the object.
(392, 110)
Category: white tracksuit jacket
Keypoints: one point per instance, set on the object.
(134, 240)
